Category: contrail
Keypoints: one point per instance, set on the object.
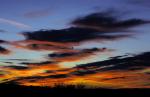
(14, 23)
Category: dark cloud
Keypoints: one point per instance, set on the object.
(2, 41)
(114, 78)
(4, 51)
(9, 62)
(72, 34)
(147, 73)
(18, 59)
(34, 78)
(77, 54)
(107, 22)
(40, 63)
(117, 69)
(61, 55)
(18, 67)
(68, 54)
(137, 62)
(1, 31)
(58, 76)
(38, 46)
(91, 27)
(83, 72)
(63, 35)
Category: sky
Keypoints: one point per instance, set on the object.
(66, 33)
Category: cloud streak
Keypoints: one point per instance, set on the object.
(15, 23)
(37, 13)
(2, 31)
(144, 3)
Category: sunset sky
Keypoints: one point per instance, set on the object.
(42, 42)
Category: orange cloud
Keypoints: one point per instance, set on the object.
(105, 80)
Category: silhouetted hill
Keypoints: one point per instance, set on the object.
(12, 89)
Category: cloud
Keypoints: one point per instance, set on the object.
(3, 41)
(103, 26)
(60, 49)
(123, 71)
(114, 78)
(44, 46)
(57, 76)
(2, 31)
(18, 59)
(68, 54)
(18, 67)
(144, 3)
(136, 62)
(107, 21)
(41, 63)
(53, 76)
(72, 34)
(15, 23)
(36, 45)
(4, 51)
(61, 53)
(77, 55)
(37, 13)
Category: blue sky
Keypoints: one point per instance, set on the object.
(59, 14)
(17, 16)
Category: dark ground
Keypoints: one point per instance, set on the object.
(13, 90)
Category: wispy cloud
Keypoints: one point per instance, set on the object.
(15, 23)
(37, 13)
(1, 31)
(144, 3)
